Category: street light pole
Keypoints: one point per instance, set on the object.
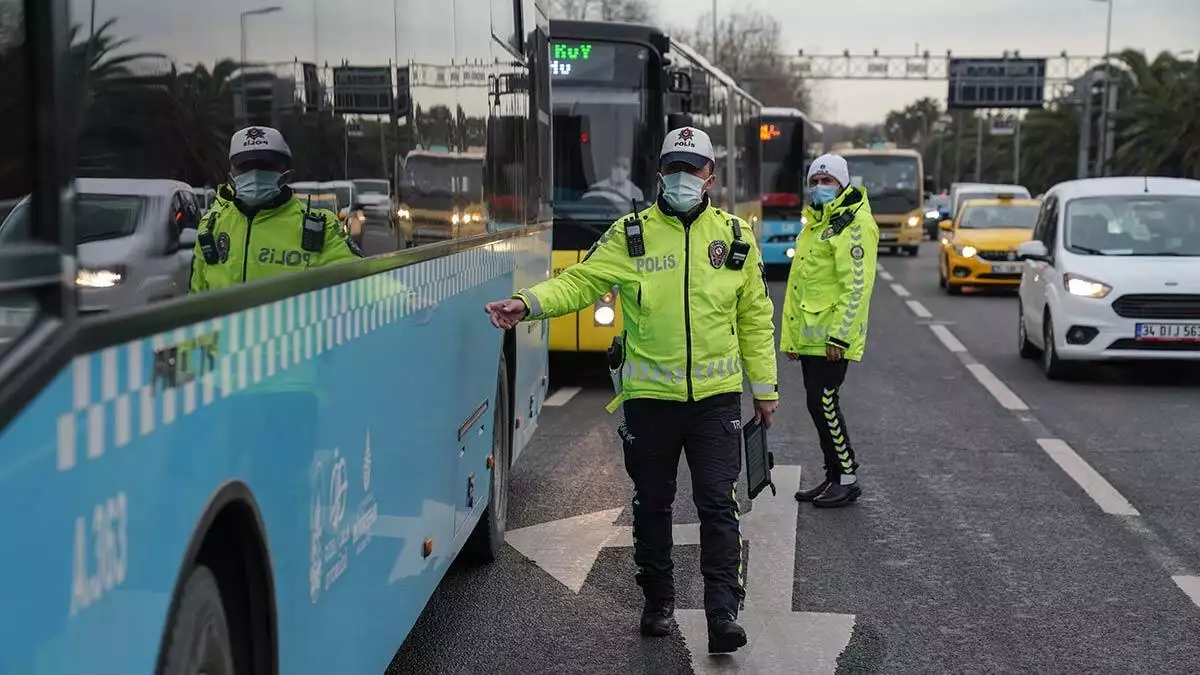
(1104, 130)
(249, 13)
(714, 27)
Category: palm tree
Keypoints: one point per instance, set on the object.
(1157, 129)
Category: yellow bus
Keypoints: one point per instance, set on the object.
(615, 93)
(896, 186)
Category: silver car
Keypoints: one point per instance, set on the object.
(134, 240)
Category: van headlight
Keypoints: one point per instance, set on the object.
(100, 278)
(1085, 287)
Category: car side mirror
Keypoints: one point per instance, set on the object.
(946, 225)
(1033, 250)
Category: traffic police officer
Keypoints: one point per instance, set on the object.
(825, 313)
(258, 228)
(697, 320)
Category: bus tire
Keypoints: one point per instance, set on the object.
(199, 630)
(487, 540)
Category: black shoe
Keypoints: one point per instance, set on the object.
(658, 618)
(809, 495)
(724, 633)
(837, 495)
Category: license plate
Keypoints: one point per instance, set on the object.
(1174, 332)
(1007, 268)
(886, 236)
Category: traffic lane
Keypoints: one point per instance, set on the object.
(1136, 424)
(513, 616)
(970, 549)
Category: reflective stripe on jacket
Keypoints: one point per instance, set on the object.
(829, 286)
(691, 324)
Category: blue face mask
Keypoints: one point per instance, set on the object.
(257, 187)
(822, 194)
(682, 191)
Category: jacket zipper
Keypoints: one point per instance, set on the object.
(246, 248)
(687, 302)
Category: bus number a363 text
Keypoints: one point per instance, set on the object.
(108, 547)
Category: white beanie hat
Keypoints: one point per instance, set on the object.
(831, 165)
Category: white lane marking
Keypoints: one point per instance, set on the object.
(561, 396)
(1189, 585)
(886, 276)
(1101, 492)
(918, 309)
(879, 267)
(900, 290)
(996, 388)
(948, 339)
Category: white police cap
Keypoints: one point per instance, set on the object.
(257, 143)
(686, 144)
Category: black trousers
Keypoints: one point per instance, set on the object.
(822, 381)
(709, 432)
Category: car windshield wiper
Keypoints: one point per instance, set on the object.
(1086, 249)
(1172, 254)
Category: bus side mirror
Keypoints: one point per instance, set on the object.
(681, 82)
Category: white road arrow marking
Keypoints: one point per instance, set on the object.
(567, 549)
(780, 640)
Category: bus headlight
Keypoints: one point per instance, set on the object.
(791, 253)
(605, 316)
(913, 221)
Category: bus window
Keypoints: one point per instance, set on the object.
(17, 234)
(892, 181)
(783, 162)
(600, 106)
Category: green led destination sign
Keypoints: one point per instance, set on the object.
(588, 61)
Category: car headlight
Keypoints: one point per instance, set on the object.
(403, 214)
(932, 214)
(965, 251)
(100, 278)
(605, 315)
(1085, 287)
(913, 221)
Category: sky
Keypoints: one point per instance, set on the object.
(361, 31)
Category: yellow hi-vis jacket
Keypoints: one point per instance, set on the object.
(691, 323)
(833, 273)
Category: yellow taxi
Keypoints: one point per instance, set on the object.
(979, 247)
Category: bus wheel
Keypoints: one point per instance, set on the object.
(487, 540)
(199, 631)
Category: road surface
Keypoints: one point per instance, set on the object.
(1008, 523)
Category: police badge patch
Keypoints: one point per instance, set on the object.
(856, 252)
(716, 253)
(223, 246)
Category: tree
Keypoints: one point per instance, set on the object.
(750, 50)
(631, 11)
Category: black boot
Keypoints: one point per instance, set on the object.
(658, 618)
(811, 494)
(837, 495)
(724, 633)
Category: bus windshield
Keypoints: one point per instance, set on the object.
(601, 136)
(783, 164)
(893, 182)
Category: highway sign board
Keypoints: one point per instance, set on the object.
(1003, 125)
(362, 90)
(996, 83)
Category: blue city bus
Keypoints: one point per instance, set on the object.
(784, 133)
(271, 478)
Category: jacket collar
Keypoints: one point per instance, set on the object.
(686, 218)
(850, 198)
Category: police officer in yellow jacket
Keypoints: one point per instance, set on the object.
(697, 320)
(825, 313)
(259, 228)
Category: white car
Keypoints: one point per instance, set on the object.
(1112, 273)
